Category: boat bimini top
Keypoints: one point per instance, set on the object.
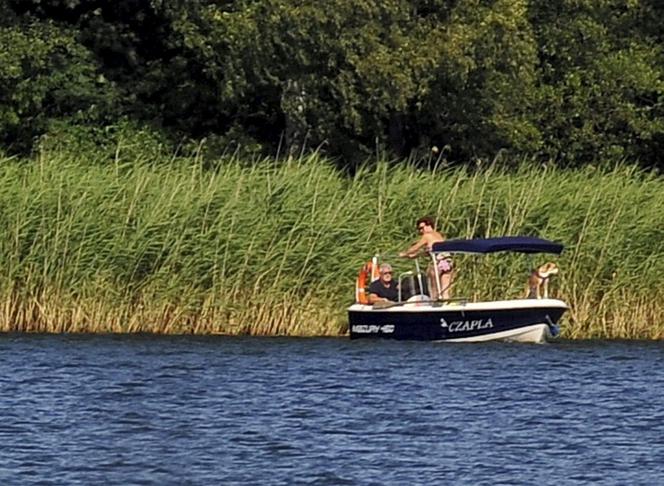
(518, 244)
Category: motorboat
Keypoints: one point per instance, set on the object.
(418, 316)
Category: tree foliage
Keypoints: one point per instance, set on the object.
(602, 81)
(574, 80)
(46, 74)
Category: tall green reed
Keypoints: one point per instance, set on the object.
(266, 247)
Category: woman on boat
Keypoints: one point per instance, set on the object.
(427, 229)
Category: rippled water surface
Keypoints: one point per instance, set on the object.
(190, 410)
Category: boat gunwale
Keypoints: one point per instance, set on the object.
(434, 306)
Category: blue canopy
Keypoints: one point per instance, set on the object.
(520, 244)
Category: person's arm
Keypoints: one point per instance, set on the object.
(373, 298)
(415, 249)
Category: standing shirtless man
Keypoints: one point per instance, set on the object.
(427, 229)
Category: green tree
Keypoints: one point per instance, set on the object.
(356, 74)
(45, 74)
(330, 72)
(481, 95)
(578, 80)
(601, 81)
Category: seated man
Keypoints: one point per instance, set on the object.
(384, 289)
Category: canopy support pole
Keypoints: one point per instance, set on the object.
(436, 278)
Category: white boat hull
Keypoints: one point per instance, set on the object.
(537, 333)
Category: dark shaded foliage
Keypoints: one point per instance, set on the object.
(577, 81)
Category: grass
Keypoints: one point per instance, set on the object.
(181, 246)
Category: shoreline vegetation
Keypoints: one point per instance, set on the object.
(267, 247)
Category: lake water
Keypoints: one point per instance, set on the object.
(219, 410)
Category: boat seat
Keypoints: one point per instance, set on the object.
(419, 298)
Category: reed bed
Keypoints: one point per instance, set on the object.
(179, 245)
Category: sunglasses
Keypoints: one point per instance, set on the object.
(386, 273)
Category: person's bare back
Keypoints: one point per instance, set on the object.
(431, 238)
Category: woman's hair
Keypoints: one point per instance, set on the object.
(428, 220)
